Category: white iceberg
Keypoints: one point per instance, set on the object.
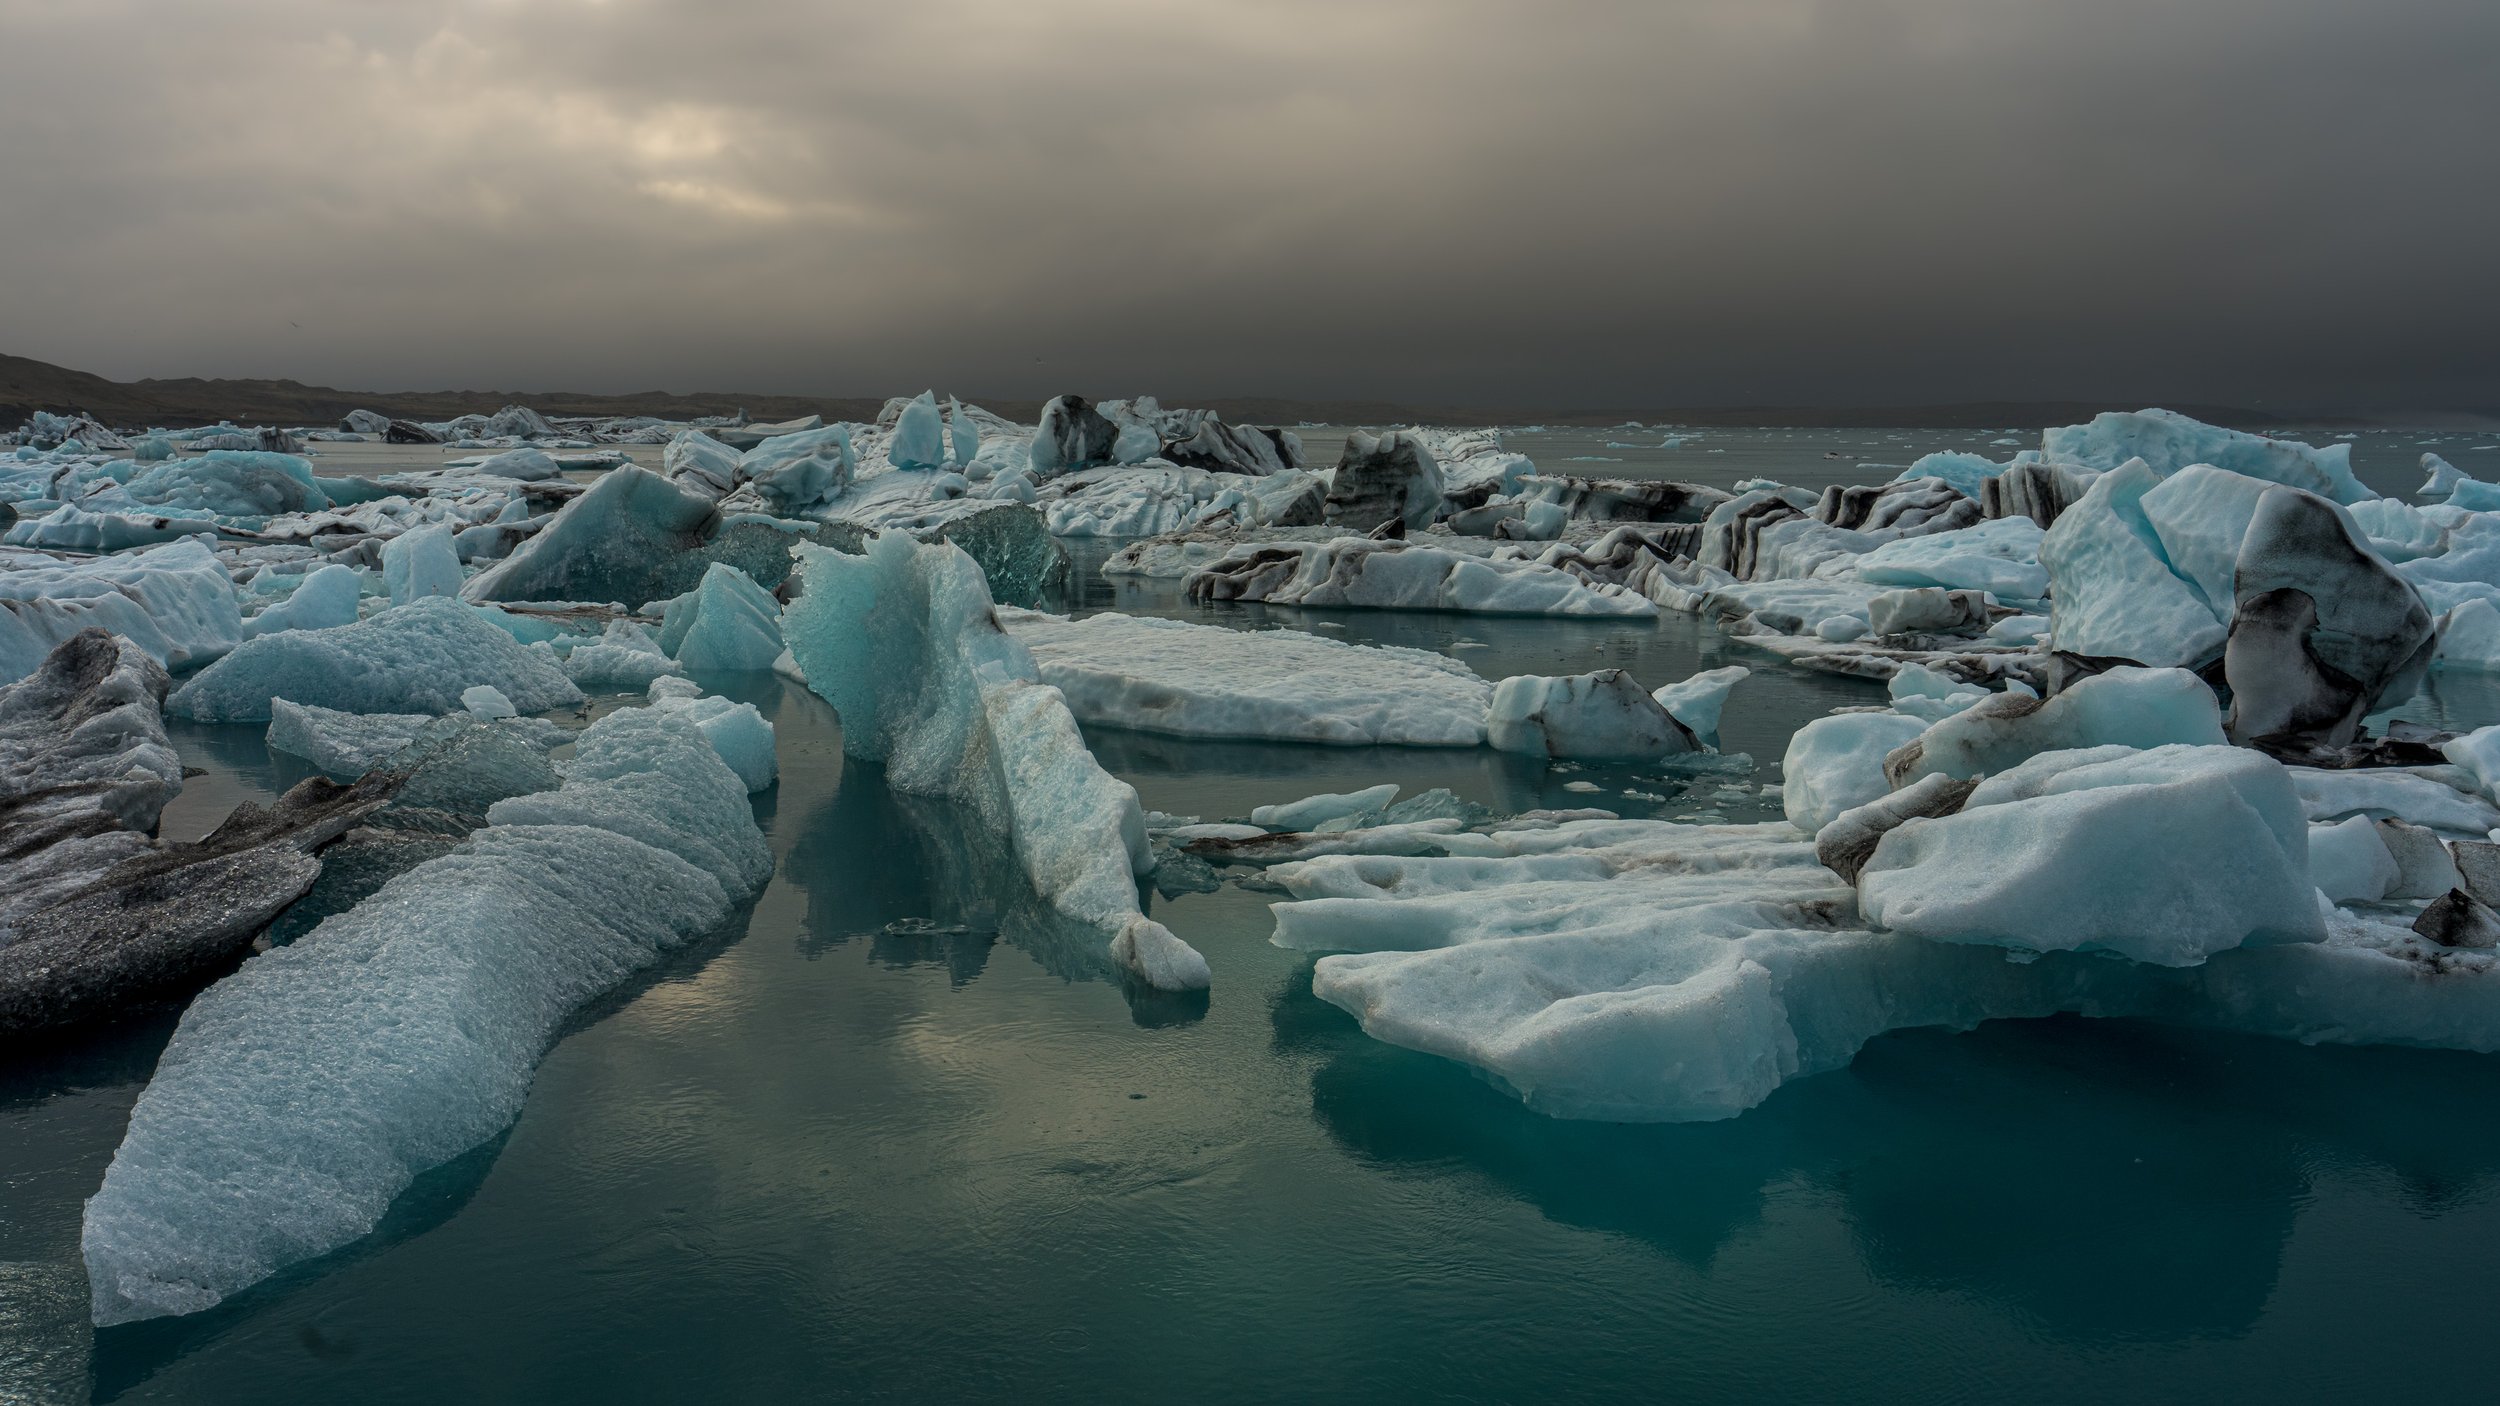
(2165, 856)
(1185, 680)
(1603, 714)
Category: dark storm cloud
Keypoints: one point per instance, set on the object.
(1660, 203)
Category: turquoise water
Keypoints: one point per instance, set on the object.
(891, 1139)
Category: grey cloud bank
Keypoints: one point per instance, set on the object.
(2287, 202)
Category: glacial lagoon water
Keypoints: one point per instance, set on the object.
(884, 1141)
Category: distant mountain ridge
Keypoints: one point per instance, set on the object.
(27, 385)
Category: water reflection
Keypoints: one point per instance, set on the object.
(2106, 1181)
(923, 879)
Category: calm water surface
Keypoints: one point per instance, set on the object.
(891, 1138)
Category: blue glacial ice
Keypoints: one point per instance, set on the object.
(727, 624)
(230, 483)
(919, 439)
(322, 599)
(624, 659)
(2167, 441)
(420, 562)
(175, 602)
(303, 1093)
(905, 644)
(414, 658)
(1390, 575)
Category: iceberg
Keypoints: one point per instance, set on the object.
(1072, 435)
(1389, 575)
(633, 537)
(417, 657)
(231, 483)
(919, 438)
(95, 913)
(325, 598)
(175, 602)
(2113, 594)
(906, 645)
(1384, 480)
(1698, 701)
(2167, 442)
(625, 659)
(421, 562)
(697, 461)
(737, 732)
(343, 746)
(793, 473)
(1311, 812)
(2165, 856)
(2322, 629)
(2126, 707)
(2001, 558)
(1185, 680)
(1651, 972)
(1603, 714)
(728, 624)
(1836, 764)
(303, 1093)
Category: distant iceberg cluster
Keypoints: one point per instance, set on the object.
(2133, 755)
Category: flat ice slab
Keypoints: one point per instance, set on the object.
(1185, 680)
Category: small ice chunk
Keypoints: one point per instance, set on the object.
(2126, 706)
(343, 745)
(1836, 763)
(1698, 701)
(422, 562)
(1600, 714)
(487, 702)
(1311, 811)
(323, 600)
(737, 731)
(919, 436)
(2349, 863)
(1151, 953)
(728, 624)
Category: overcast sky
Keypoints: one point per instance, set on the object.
(1544, 202)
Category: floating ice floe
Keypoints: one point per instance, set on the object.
(1604, 714)
(1185, 680)
(1393, 575)
(300, 1095)
(905, 644)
